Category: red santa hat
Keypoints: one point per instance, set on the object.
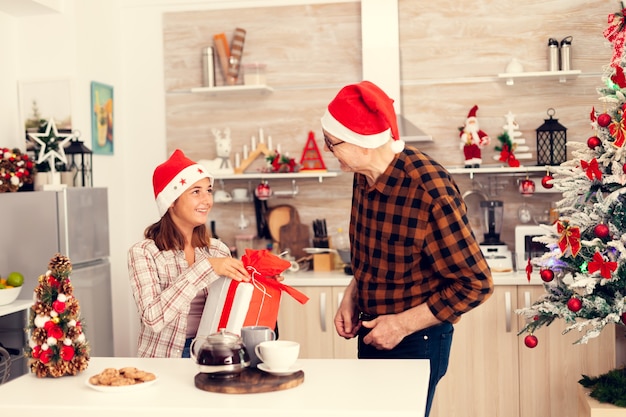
(472, 112)
(362, 114)
(173, 177)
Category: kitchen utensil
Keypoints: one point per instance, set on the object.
(294, 236)
(252, 336)
(240, 195)
(277, 217)
(249, 381)
(472, 199)
(493, 212)
(222, 354)
(320, 234)
(213, 233)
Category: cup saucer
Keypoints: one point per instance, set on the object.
(292, 370)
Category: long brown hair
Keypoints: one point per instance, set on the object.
(166, 235)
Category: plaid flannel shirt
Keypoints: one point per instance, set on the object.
(163, 285)
(412, 242)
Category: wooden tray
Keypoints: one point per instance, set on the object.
(249, 381)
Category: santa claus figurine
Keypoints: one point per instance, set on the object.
(473, 140)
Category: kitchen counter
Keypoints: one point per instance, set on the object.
(338, 278)
(331, 387)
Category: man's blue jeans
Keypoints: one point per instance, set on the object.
(433, 343)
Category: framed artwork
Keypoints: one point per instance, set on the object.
(44, 100)
(101, 118)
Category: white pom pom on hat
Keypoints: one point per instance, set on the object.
(363, 114)
(173, 177)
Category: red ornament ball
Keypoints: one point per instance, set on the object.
(546, 275)
(531, 341)
(624, 318)
(545, 181)
(574, 304)
(601, 231)
(593, 142)
(624, 168)
(604, 120)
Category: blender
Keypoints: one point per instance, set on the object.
(496, 252)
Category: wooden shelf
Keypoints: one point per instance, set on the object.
(503, 170)
(269, 176)
(233, 90)
(562, 76)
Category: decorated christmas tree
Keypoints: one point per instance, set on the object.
(584, 272)
(56, 343)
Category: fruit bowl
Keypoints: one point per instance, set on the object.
(8, 295)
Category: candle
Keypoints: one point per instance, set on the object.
(278, 148)
(253, 141)
(269, 143)
(245, 152)
(237, 160)
(261, 140)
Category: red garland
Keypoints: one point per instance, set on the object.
(599, 264)
(570, 236)
(592, 169)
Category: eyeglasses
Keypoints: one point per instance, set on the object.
(331, 145)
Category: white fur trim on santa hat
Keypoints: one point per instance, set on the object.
(183, 180)
(332, 126)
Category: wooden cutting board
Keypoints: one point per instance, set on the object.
(249, 381)
(294, 236)
(277, 217)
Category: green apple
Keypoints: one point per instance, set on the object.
(15, 279)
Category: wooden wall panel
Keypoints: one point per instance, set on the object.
(451, 53)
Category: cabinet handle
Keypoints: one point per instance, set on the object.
(527, 299)
(323, 311)
(507, 310)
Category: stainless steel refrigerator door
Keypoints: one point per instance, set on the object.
(84, 224)
(31, 235)
(92, 289)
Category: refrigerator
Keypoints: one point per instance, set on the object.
(73, 222)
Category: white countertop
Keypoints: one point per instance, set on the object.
(340, 279)
(331, 387)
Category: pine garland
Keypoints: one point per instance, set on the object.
(608, 388)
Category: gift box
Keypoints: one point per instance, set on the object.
(231, 304)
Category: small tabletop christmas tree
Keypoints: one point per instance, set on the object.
(56, 344)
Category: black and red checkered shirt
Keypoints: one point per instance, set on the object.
(412, 243)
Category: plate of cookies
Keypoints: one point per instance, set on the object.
(121, 380)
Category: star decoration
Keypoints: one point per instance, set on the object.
(55, 147)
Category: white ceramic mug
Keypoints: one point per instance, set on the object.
(278, 355)
(221, 196)
(252, 336)
(240, 194)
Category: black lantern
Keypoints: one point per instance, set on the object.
(551, 141)
(79, 162)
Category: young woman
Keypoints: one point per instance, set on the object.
(172, 268)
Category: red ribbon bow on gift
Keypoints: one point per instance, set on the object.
(616, 35)
(263, 266)
(570, 236)
(592, 168)
(599, 264)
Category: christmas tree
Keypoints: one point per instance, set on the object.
(584, 272)
(56, 344)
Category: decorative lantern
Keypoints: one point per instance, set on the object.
(79, 162)
(551, 141)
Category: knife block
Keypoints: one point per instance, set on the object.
(322, 262)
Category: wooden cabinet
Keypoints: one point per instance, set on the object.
(492, 372)
(312, 324)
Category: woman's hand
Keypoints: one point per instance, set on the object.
(231, 268)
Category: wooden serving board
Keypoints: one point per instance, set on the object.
(294, 236)
(249, 381)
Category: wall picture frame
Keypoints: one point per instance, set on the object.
(102, 131)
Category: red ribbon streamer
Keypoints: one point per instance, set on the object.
(570, 236)
(592, 168)
(599, 264)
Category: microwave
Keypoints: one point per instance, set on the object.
(525, 247)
